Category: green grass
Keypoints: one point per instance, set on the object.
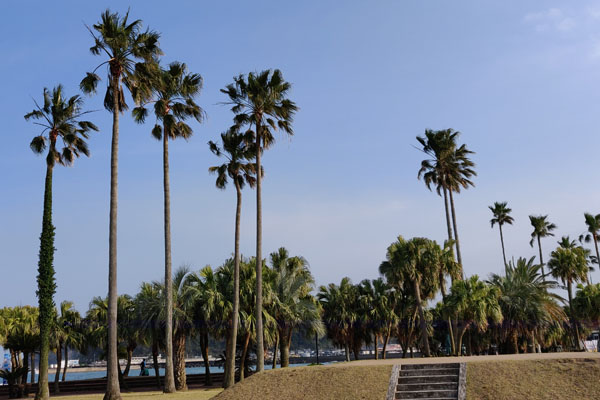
(318, 382)
(534, 380)
(197, 394)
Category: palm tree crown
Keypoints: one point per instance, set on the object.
(501, 213)
(541, 227)
(59, 118)
(237, 150)
(172, 90)
(123, 42)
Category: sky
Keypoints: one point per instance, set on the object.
(519, 80)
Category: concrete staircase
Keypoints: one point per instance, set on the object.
(428, 381)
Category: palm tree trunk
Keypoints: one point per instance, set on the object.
(230, 351)
(458, 256)
(204, 349)
(58, 365)
(26, 373)
(386, 340)
(597, 257)
(179, 361)
(46, 286)
(376, 339)
(128, 365)
(244, 355)
(284, 349)
(541, 259)
(574, 324)
(64, 376)
(32, 367)
(113, 390)
(356, 349)
(347, 351)
(422, 322)
(275, 351)
(503, 253)
(260, 355)
(448, 224)
(170, 383)
(155, 363)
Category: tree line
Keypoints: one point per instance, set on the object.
(415, 270)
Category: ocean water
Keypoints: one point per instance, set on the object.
(73, 375)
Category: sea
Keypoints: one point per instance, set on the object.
(73, 375)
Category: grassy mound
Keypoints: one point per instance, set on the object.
(318, 382)
(534, 380)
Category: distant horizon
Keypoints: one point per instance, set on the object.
(517, 80)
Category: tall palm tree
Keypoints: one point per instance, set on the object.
(593, 231)
(449, 169)
(60, 119)
(414, 261)
(541, 228)
(237, 152)
(502, 216)
(570, 265)
(260, 101)
(122, 43)
(172, 91)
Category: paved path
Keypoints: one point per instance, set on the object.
(442, 360)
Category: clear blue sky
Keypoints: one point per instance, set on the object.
(520, 80)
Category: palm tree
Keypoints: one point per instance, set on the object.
(64, 335)
(60, 118)
(414, 261)
(293, 306)
(570, 265)
(541, 228)
(260, 101)
(528, 306)
(378, 304)
(449, 169)
(473, 303)
(586, 306)
(340, 312)
(172, 91)
(122, 42)
(502, 216)
(593, 230)
(212, 293)
(148, 307)
(237, 152)
(70, 319)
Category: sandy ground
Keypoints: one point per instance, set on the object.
(502, 357)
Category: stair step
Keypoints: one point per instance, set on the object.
(427, 394)
(428, 379)
(432, 371)
(429, 366)
(408, 387)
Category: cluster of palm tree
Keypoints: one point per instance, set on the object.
(518, 311)
(132, 61)
(20, 333)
